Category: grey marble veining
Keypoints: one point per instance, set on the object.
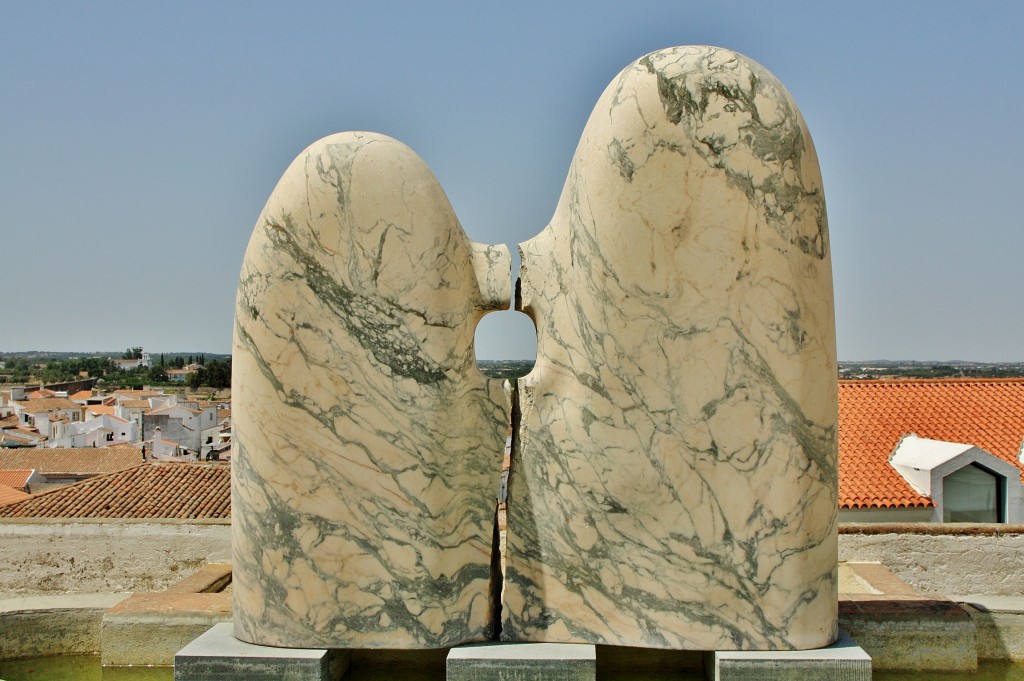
(367, 444)
(674, 476)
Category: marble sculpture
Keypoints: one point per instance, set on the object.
(673, 480)
(367, 445)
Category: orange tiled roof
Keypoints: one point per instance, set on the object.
(42, 392)
(80, 460)
(99, 409)
(16, 478)
(81, 395)
(138, 394)
(152, 490)
(874, 415)
(9, 495)
(41, 404)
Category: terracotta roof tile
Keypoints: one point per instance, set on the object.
(874, 415)
(42, 404)
(152, 490)
(16, 478)
(42, 392)
(99, 409)
(9, 495)
(81, 460)
(138, 394)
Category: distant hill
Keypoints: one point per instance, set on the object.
(885, 368)
(505, 368)
(59, 356)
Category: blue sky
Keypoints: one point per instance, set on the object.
(139, 141)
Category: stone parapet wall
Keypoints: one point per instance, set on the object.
(91, 556)
(942, 559)
(88, 556)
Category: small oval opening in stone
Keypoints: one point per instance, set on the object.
(505, 344)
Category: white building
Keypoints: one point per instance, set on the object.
(102, 431)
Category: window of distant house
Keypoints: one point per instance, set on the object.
(974, 494)
(110, 437)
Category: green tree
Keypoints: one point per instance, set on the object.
(216, 374)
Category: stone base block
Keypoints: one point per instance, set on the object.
(522, 662)
(218, 656)
(844, 660)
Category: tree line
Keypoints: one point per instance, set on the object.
(60, 368)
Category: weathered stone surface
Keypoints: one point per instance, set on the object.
(844, 660)
(83, 556)
(367, 444)
(149, 628)
(68, 624)
(999, 622)
(674, 478)
(218, 655)
(522, 662)
(911, 632)
(936, 558)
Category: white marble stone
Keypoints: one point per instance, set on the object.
(367, 445)
(673, 483)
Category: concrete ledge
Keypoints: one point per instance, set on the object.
(877, 579)
(930, 528)
(844, 660)
(219, 656)
(148, 629)
(63, 624)
(999, 621)
(522, 662)
(211, 578)
(910, 632)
